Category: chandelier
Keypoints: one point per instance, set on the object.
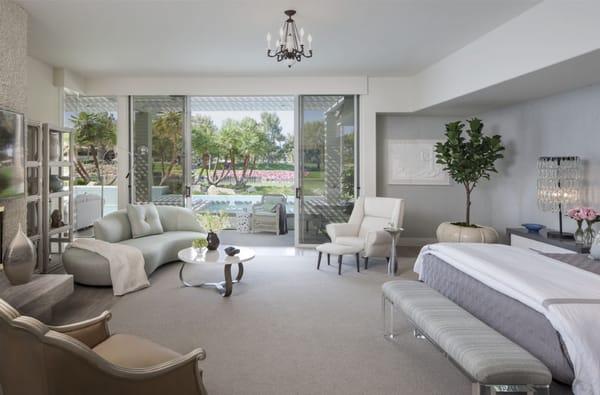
(290, 45)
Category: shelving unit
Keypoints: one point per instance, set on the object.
(58, 162)
(33, 188)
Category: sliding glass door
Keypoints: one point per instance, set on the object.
(157, 147)
(327, 159)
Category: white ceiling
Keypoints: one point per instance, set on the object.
(221, 37)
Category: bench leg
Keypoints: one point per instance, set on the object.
(339, 265)
(366, 262)
(357, 263)
(388, 310)
(489, 389)
(328, 259)
(319, 260)
(418, 334)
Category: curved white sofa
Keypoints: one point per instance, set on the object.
(180, 228)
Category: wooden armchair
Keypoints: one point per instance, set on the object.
(84, 358)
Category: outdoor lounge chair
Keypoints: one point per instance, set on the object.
(266, 216)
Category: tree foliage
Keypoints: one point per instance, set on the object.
(97, 132)
(167, 129)
(470, 158)
(234, 149)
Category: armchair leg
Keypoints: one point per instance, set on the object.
(339, 265)
(366, 262)
(328, 259)
(357, 263)
(319, 260)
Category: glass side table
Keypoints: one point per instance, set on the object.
(392, 264)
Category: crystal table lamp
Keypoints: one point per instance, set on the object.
(559, 184)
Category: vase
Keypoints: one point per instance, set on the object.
(213, 241)
(579, 235)
(595, 248)
(56, 184)
(588, 234)
(53, 147)
(19, 259)
(449, 232)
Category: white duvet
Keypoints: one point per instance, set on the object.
(568, 296)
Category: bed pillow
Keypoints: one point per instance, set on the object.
(144, 220)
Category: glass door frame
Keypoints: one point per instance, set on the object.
(299, 163)
(185, 158)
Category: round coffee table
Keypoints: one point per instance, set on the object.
(196, 256)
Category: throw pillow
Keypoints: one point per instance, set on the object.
(144, 220)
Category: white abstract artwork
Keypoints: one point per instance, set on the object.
(413, 162)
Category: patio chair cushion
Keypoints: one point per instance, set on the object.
(144, 220)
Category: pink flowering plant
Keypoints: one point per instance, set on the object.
(586, 214)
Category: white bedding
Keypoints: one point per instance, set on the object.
(568, 296)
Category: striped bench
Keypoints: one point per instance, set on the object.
(492, 362)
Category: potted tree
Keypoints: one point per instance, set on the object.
(468, 159)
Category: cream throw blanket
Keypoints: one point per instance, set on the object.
(126, 264)
(568, 296)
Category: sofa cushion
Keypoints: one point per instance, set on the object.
(133, 352)
(113, 227)
(178, 218)
(144, 220)
(162, 248)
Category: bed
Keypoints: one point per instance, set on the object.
(515, 320)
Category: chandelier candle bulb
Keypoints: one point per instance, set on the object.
(269, 41)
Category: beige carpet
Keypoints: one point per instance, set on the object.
(287, 329)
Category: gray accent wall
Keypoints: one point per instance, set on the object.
(560, 125)
(13, 80)
(426, 205)
(565, 124)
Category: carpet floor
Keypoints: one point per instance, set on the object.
(286, 329)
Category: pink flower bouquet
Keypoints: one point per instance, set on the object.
(587, 214)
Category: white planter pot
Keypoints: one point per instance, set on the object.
(447, 232)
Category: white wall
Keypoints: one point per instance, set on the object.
(13, 96)
(225, 86)
(549, 33)
(561, 125)
(43, 98)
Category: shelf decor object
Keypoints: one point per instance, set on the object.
(559, 184)
(58, 160)
(290, 44)
(19, 259)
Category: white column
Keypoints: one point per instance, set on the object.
(123, 151)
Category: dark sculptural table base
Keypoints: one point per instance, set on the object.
(224, 287)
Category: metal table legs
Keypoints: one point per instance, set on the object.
(223, 287)
(392, 263)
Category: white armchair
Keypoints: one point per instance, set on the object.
(365, 227)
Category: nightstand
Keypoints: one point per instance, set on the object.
(520, 237)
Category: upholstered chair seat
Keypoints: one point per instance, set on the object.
(365, 228)
(84, 358)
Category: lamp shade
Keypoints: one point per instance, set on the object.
(559, 182)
